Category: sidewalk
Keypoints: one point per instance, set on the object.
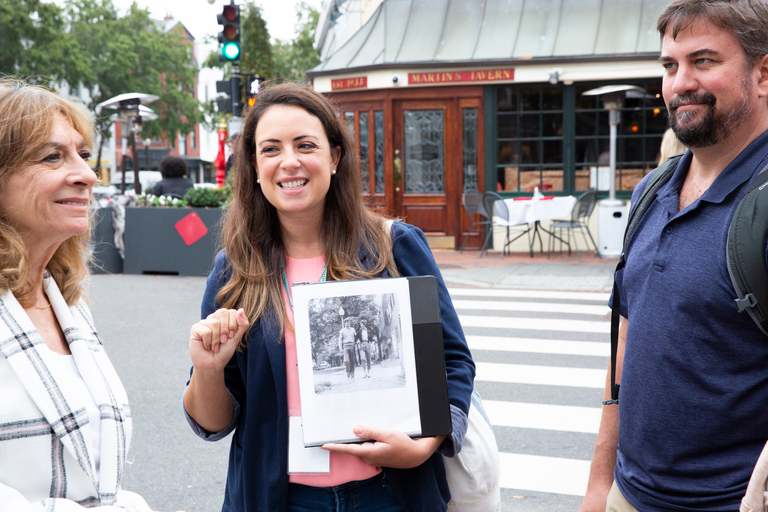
(518, 270)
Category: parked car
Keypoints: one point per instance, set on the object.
(147, 179)
(104, 192)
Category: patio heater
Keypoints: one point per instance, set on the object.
(612, 212)
(130, 112)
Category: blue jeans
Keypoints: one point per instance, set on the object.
(372, 495)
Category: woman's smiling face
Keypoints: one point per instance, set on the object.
(294, 161)
(47, 199)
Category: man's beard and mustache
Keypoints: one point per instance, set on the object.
(713, 125)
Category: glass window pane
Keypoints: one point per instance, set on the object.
(603, 128)
(529, 180)
(552, 125)
(631, 122)
(363, 124)
(530, 125)
(632, 150)
(507, 179)
(507, 126)
(551, 98)
(551, 180)
(507, 99)
(529, 98)
(424, 169)
(533, 139)
(586, 102)
(349, 118)
(530, 152)
(592, 151)
(586, 123)
(553, 151)
(656, 120)
(507, 152)
(470, 149)
(378, 122)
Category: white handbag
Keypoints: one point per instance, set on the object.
(473, 474)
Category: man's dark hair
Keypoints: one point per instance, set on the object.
(173, 167)
(745, 20)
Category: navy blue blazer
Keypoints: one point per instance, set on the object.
(257, 478)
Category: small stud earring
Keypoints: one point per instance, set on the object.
(333, 171)
(258, 180)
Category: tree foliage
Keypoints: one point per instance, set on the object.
(135, 54)
(294, 58)
(257, 57)
(86, 44)
(32, 42)
(325, 320)
(280, 60)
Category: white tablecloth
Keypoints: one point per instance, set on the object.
(529, 211)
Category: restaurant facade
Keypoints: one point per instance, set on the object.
(446, 97)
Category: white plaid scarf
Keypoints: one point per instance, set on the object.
(44, 433)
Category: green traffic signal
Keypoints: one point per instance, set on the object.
(231, 51)
(229, 36)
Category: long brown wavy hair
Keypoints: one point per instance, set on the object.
(356, 242)
(26, 122)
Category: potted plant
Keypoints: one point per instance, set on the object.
(165, 235)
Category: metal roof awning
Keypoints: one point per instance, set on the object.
(468, 32)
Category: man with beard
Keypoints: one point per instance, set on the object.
(689, 425)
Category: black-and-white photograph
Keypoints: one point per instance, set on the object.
(356, 343)
(354, 346)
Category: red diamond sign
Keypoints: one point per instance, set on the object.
(191, 228)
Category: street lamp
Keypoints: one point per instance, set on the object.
(611, 213)
(129, 113)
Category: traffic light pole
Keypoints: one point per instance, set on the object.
(236, 91)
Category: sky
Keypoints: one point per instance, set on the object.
(199, 16)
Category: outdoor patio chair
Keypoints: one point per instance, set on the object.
(580, 214)
(499, 213)
(473, 205)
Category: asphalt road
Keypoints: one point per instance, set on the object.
(144, 323)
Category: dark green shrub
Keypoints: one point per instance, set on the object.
(205, 197)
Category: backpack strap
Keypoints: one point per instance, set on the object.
(745, 251)
(657, 180)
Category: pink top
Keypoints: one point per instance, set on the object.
(344, 468)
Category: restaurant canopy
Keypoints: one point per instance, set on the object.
(426, 33)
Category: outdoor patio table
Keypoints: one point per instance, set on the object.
(532, 211)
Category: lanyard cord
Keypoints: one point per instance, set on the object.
(285, 280)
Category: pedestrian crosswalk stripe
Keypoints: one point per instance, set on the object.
(539, 346)
(544, 474)
(528, 294)
(538, 307)
(538, 324)
(565, 418)
(541, 375)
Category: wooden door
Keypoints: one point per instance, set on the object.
(426, 168)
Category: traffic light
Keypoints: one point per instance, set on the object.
(237, 96)
(229, 36)
(233, 102)
(224, 105)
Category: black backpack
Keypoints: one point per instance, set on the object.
(745, 252)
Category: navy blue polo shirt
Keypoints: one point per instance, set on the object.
(694, 386)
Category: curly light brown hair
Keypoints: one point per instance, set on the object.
(26, 122)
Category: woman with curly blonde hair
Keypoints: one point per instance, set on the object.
(65, 424)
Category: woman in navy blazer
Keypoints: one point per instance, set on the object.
(296, 199)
